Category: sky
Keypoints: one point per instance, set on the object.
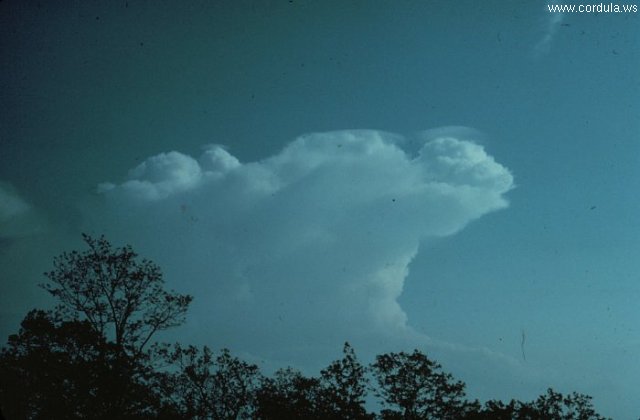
(458, 177)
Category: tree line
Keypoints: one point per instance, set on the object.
(94, 357)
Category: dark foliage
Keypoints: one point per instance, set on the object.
(91, 359)
(554, 405)
(289, 395)
(344, 387)
(200, 385)
(550, 406)
(412, 386)
(121, 298)
(339, 392)
(87, 359)
(57, 369)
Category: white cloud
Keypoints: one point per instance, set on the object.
(553, 23)
(307, 248)
(160, 176)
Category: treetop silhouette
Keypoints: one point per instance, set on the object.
(91, 358)
(118, 294)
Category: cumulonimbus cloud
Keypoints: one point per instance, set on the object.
(309, 246)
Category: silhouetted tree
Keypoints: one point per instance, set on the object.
(204, 386)
(339, 392)
(496, 410)
(416, 388)
(122, 298)
(550, 406)
(56, 369)
(289, 395)
(344, 387)
(553, 405)
(88, 357)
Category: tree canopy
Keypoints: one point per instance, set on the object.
(88, 357)
(119, 295)
(413, 387)
(94, 357)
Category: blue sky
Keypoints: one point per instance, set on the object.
(528, 227)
